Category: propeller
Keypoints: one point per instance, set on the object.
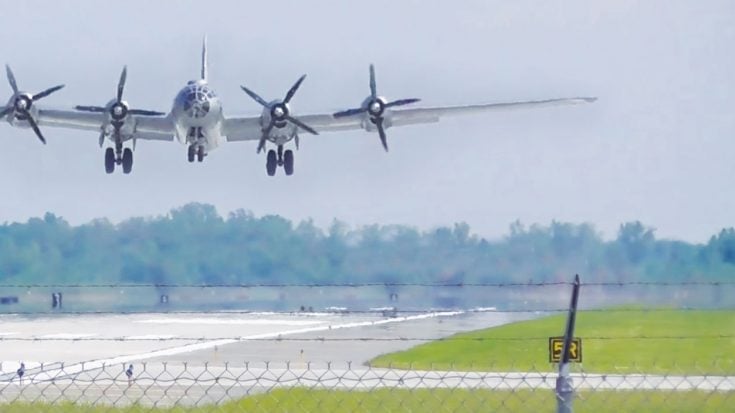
(118, 110)
(375, 107)
(279, 113)
(23, 102)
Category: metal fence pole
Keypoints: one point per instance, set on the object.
(564, 385)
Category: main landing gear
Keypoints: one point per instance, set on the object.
(118, 156)
(280, 158)
(196, 151)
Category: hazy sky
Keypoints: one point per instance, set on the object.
(658, 145)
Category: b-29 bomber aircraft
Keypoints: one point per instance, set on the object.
(197, 119)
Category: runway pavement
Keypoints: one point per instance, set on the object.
(224, 337)
(194, 359)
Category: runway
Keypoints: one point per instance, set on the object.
(195, 359)
(198, 338)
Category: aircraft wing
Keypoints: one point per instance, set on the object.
(144, 127)
(242, 129)
(154, 128)
(249, 129)
(71, 119)
(434, 114)
(245, 129)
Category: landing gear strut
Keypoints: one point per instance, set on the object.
(280, 158)
(118, 156)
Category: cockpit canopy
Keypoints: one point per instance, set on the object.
(195, 99)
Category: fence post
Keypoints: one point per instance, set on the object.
(564, 385)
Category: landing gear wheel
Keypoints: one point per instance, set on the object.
(288, 162)
(109, 160)
(200, 153)
(127, 160)
(271, 163)
(192, 152)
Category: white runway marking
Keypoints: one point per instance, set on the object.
(221, 321)
(66, 336)
(10, 333)
(96, 364)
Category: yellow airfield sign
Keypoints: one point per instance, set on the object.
(556, 346)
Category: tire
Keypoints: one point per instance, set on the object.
(288, 162)
(191, 153)
(109, 160)
(271, 163)
(127, 161)
(200, 153)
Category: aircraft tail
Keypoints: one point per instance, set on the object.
(204, 58)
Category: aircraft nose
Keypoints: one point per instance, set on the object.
(197, 105)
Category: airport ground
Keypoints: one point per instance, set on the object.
(226, 337)
(200, 359)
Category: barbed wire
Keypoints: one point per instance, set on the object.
(366, 339)
(377, 284)
(383, 312)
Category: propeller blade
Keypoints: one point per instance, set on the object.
(381, 132)
(102, 137)
(46, 92)
(121, 84)
(373, 88)
(11, 79)
(302, 125)
(296, 141)
(293, 89)
(254, 96)
(349, 112)
(401, 102)
(266, 132)
(143, 112)
(95, 109)
(34, 126)
(5, 111)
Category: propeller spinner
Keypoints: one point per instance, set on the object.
(118, 110)
(375, 107)
(279, 112)
(23, 102)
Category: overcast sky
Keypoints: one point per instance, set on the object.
(658, 145)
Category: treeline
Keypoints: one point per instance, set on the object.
(194, 244)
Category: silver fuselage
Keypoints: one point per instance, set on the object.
(197, 116)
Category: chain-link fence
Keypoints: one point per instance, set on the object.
(344, 387)
(179, 358)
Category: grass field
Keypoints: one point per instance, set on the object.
(436, 400)
(679, 342)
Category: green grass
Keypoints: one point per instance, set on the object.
(523, 346)
(435, 401)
